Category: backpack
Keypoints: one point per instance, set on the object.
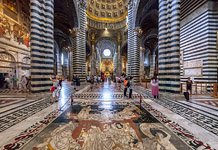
(128, 84)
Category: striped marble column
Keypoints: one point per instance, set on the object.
(119, 60)
(133, 53)
(74, 55)
(71, 64)
(80, 52)
(169, 45)
(152, 65)
(119, 56)
(93, 55)
(58, 57)
(142, 66)
(115, 62)
(42, 44)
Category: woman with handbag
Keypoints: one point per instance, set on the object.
(155, 87)
(53, 89)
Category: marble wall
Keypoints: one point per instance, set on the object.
(14, 39)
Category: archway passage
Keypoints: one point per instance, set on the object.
(7, 67)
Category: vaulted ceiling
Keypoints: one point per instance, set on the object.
(109, 11)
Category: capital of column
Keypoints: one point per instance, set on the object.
(119, 38)
(142, 49)
(74, 32)
(82, 3)
(139, 31)
(130, 3)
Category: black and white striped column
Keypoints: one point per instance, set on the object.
(169, 45)
(58, 58)
(74, 55)
(133, 51)
(142, 59)
(42, 44)
(119, 60)
(80, 52)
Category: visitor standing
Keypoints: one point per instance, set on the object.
(189, 83)
(109, 80)
(23, 83)
(28, 85)
(14, 81)
(92, 82)
(130, 86)
(53, 89)
(88, 78)
(8, 82)
(155, 87)
(99, 79)
(125, 82)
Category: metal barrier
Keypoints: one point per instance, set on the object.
(201, 88)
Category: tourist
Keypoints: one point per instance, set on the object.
(189, 83)
(28, 85)
(8, 82)
(54, 88)
(125, 86)
(95, 79)
(23, 83)
(92, 82)
(77, 82)
(74, 81)
(109, 79)
(14, 81)
(59, 87)
(99, 79)
(130, 86)
(88, 78)
(102, 77)
(155, 87)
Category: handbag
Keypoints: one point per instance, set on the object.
(52, 89)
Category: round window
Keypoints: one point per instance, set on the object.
(107, 52)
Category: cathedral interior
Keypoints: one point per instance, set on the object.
(109, 74)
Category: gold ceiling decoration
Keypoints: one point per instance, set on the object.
(108, 11)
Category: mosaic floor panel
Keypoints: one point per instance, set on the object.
(104, 120)
(104, 87)
(106, 126)
(194, 114)
(213, 103)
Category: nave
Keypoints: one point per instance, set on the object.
(99, 117)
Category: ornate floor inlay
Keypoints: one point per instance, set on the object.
(213, 103)
(102, 96)
(102, 87)
(191, 113)
(105, 122)
(109, 126)
(17, 116)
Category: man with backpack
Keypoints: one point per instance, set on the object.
(125, 86)
(130, 86)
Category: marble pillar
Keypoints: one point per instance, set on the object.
(152, 65)
(133, 54)
(93, 59)
(80, 51)
(119, 60)
(169, 45)
(42, 44)
(142, 59)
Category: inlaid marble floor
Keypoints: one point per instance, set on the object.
(106, 126)
(101, 119)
